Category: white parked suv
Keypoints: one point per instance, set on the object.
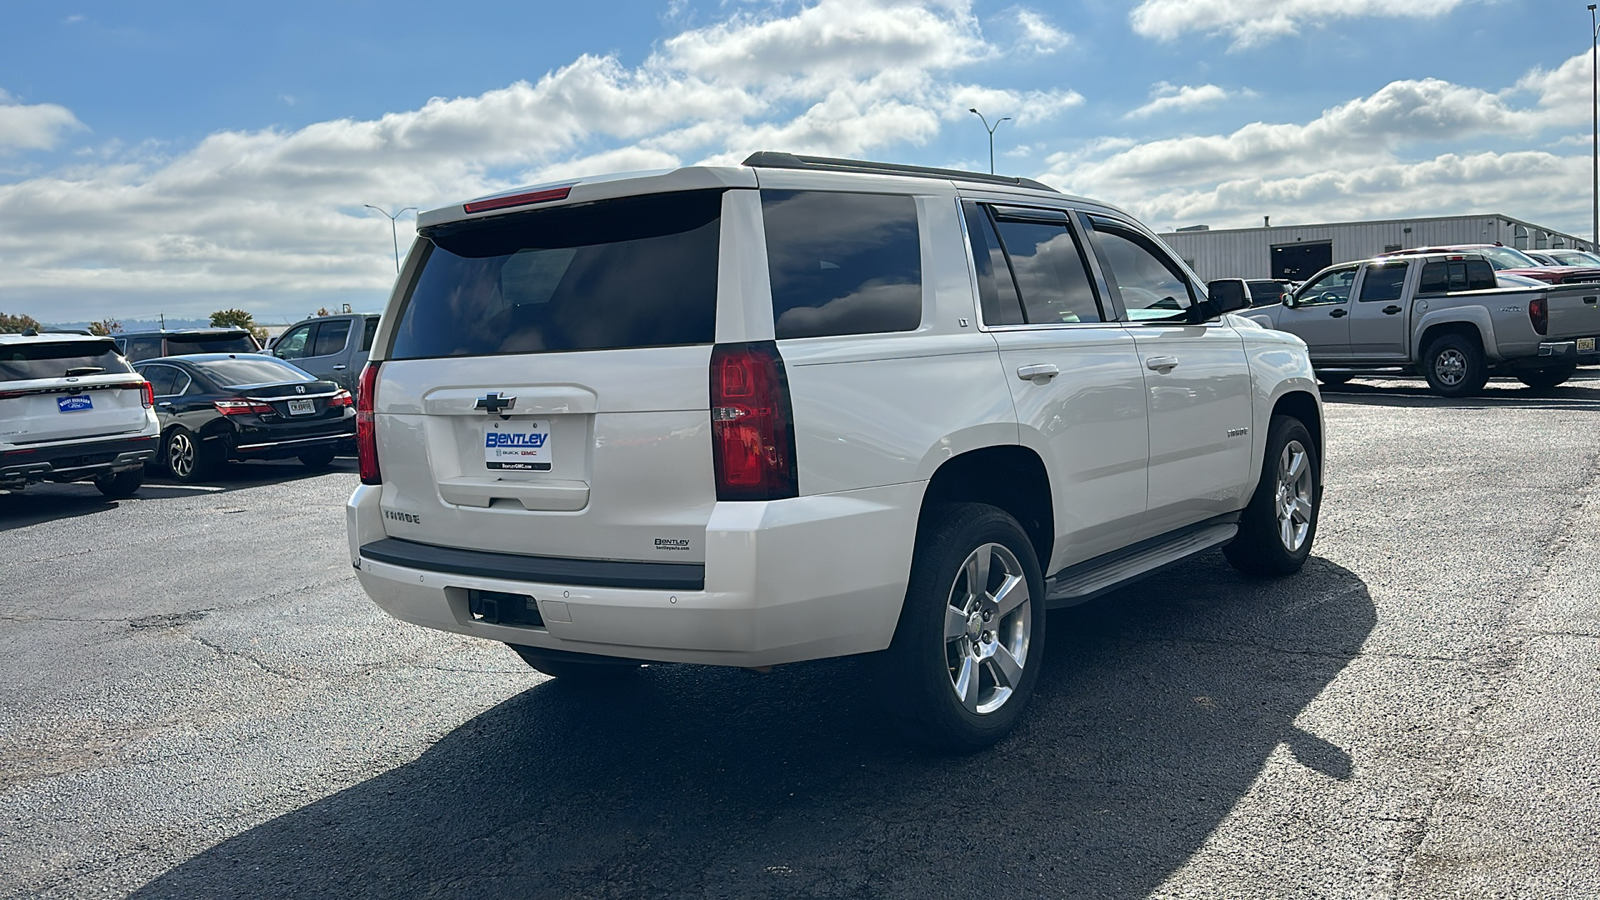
(810, 408)
(72, 409)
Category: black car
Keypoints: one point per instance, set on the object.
(1267, 291)
(140, 345)
(216, 407)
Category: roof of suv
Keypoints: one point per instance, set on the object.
(51, 336)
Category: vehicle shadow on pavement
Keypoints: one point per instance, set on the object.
(1157, 710)
(1510, 395)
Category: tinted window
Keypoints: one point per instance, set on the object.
(331, 337)
(1265, 293)
(293, 344)
(1333, 287)
(842, 263)
(997, 294)
(1151, 290)
(260, 370)
(1050, 273)
(55, 359)
(1435, 278)
(367, 335)
(1383, 282)
(163, 379)
(639, 272)
(144, 347)
(195, 343)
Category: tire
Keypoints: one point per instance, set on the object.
(1334, 379)
(964, 662)
(1277, 528)
(188, 458)
(1545, 379)
(316, 459)
(1454, 366)
(576, 667)
(121, 485)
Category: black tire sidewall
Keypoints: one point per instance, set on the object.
(120, 485)
(1258, 550)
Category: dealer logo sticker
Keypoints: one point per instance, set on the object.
(671, 544)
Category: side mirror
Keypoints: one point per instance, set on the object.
(1291, 300)
(1228, 295)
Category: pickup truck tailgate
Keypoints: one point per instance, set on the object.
(1574, 312)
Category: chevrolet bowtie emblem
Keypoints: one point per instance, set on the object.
(493, 402)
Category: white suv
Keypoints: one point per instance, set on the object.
(72, 409)
(810, 408)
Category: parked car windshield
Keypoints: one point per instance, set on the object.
(262, 370)
(55, 359)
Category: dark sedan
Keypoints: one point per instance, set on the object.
(216, 407)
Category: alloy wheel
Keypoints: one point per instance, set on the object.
(1450, 366)
(180, 455)
(988, 622)
(1295, 497)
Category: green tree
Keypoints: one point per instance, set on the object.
(238, 318)
(106, 326)
(16, 323)
(322, 311)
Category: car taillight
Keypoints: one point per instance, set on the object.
(341, 399)
(147, 395)
(1539, 315)
(752, 433)
(366, 428)
(239, 406)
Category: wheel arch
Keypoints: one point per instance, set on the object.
(1303, 406)
(1471, 322)
(1011, 477)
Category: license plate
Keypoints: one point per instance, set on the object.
(302, 407)
(1585, 345)
(518, 446)
(74, 404)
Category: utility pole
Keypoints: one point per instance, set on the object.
(1594, 73)
(991, 134)
(393, 234)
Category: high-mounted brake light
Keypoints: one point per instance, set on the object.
(752, 423)
(239, 406)
(1539, 315)
(545, 196)
(366, 427)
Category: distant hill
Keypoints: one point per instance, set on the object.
(141, 324)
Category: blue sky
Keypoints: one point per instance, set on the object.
(183, 157)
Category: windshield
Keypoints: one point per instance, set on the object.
(56, 359)
(262, 370)
(1505, 257)
(1576, 257)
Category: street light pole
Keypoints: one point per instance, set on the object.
(991, 134)
(1594, 58)
(394, 235)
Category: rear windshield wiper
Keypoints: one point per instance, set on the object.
(76, 371)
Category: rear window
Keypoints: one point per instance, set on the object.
(637, 272)
(56, 359)
(842, 263)
(260, 370)
(1467, 275)
(179, 344)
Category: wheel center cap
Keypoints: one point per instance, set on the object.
(974, 624)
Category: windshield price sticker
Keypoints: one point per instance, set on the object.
(519, 446)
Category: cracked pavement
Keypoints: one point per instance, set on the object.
(196, 700)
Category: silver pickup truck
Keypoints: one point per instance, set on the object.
(1442, 316)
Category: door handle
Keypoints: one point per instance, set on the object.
(165, 404)
(1161, 363)
(1390, 310)
(340, 367)
(1045, 371)
(1339, 313)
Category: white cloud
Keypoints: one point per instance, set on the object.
(1038, 34)
(33, 127)
(1256, 21)
(1166, 98)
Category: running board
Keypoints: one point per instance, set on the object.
(1086, 581)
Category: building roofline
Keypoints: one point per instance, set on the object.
(1404, 221)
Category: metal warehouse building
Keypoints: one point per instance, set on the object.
(1296, 251)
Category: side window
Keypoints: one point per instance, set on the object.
(1333, 287)
(293, 344)
(367, 335)
(1383, 282)
(1480, 276)
(144, 348)
(163, 379)
(1435, 278)
(997, 294)
(842, 263)
(331, 337)
(1050, 273)
(1152, 290)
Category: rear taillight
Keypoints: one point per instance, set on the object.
(239, 406)
(752, 433)
(341, 400)
(147, 395)
(1539, 315)
(366, 430)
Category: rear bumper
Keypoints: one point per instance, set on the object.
(783, 581)
(1567, 353)
(76, 461)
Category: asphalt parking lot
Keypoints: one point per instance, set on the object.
(196, 700)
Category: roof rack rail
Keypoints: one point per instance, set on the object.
(770, 159)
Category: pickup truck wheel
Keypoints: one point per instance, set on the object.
(188, 458)
(970, 642)
(575, 667)
(121, 485)
(1276, 529)
(1545, 379)
(1454, 366)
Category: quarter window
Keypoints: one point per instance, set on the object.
(367, 335)
(842, 263)
(997, 293)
